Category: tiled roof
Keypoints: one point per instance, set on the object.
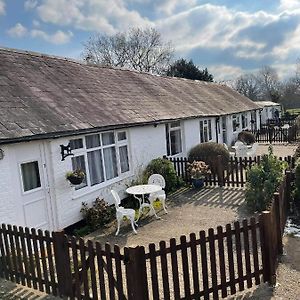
(42, 96)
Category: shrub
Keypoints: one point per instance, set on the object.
(165, 168)
(263, 181)
(297, 182)
(208, 152)
(246, 137)
(297, 152)
(99, 214)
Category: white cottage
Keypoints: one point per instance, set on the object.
(114, 122)
(269, 110)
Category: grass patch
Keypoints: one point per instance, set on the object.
(293, 111)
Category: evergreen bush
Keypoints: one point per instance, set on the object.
(263, 181)
(165, 168)
(246, 137)
(208, 152)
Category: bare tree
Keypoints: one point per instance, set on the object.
(270, 86)
(248, 86)
(138, 49)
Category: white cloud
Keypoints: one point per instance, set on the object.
(2, 7)
(225, 72)
(17, 31)
(291, 43)
(289, 5)
(30, 4)
(169, 6)
(92, 15)
(59, 37)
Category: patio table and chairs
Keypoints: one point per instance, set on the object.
(155, 190)
(139, 192)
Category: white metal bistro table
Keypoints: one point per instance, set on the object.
(142, 190)
(248, 146)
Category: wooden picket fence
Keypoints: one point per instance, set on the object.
(276, 135)
(233, 174)
(214, 264)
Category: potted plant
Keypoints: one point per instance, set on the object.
(198, 170)
(75, 177)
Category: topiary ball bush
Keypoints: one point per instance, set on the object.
(246, 137)
(208, 152)
(165, 168)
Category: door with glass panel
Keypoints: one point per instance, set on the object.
(34, 191)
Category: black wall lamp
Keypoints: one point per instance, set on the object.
(65, 151)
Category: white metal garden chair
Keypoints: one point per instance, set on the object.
(241, 151)
(158, 179)
(122, 212)
(252, 151)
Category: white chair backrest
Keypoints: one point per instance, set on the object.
(225, 146)
(254, 147)
(157, 179)
(116, 197)
(241, 151)
(238, 143)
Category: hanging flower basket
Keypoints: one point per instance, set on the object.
(75, 177)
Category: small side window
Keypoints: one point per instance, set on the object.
(30, 176)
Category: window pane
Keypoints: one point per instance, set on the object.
(95, 167)
(79, 163)
(175, 136)
(168, 139)
(205, 134)
(201, 132)
(76, 144)
(30, 176)
(110, 162)
(92, 141)
(121, 136)
(108, 138)
(175, 124)
(209, 130)
(124, 159)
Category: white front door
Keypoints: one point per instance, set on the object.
(34, 196)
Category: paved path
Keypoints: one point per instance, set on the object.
(12, 291)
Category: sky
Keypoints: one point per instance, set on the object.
(229, 37)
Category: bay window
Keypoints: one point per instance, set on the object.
(102, 156)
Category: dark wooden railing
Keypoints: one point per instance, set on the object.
(234, 173)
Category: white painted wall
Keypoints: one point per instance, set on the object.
(8, 203)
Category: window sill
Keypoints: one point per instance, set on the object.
(91, 189)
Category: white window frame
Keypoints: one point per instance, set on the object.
(207, 123)
(169, 129)
(236, 118)
(117, 144)
(21, 176)
(245, 118)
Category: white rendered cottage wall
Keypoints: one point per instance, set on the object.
(145, 143)
(8, 203)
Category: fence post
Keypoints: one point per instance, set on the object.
(278, 218)
(288, 175)
(269, 274)
(62, 262)
(136, 273)
(220, 171)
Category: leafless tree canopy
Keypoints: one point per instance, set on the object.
(265, 85)
(138, 49)
(248, 86)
